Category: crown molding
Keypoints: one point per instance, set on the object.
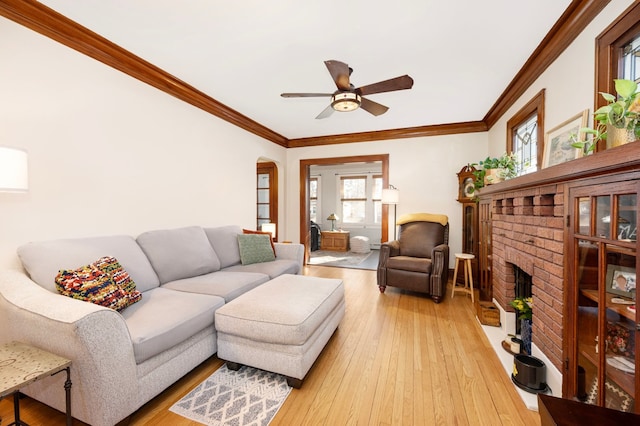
(58, 27)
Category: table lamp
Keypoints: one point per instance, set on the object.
(332, 217)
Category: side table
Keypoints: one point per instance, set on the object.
(335, 240)
(21, 364)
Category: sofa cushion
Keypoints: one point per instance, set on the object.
(179, 253)
(90, 284)
(227, 285)
(164, 318)
(255, 249)
(272, 269)
(43, 260)
(224, 240)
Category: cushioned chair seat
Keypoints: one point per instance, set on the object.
(153, 331)
(408, 263)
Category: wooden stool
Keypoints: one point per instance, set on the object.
(468, 283)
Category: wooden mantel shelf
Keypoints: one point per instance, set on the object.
(618, 159)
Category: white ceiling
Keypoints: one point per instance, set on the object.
(462, 54)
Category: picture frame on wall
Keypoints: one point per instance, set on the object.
(621, 280)
(557, 141)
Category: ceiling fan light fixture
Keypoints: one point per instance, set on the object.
(345, 101)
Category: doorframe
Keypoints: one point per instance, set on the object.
(305, 165)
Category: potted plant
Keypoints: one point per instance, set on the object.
(618, 122)
(494, 169)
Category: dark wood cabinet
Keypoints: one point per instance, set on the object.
(602, 254)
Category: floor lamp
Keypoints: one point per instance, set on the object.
(391, 196)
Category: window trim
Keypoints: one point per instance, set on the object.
(271, 169)
(608, 54)
(533, 107)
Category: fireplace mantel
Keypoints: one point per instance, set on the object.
(614, 160)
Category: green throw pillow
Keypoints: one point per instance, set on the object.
(255, 248)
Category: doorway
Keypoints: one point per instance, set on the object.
(305, 165)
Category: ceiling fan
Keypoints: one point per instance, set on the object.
(348, 98)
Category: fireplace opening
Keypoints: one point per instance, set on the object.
(523, 285)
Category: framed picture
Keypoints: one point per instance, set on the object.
(621, 281)
(557, 141)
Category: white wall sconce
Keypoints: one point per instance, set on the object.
(14, 176)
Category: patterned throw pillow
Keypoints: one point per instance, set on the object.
(255, 248)
(103, 282)
(110, 266)
(249, 231)
(91, 285)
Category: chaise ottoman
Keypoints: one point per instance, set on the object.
(280, 326)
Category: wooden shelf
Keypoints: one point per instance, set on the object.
(624, 380)
(618, 309)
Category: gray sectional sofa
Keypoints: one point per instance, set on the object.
(121, 360)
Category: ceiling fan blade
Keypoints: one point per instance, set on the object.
(373, 107)
(340, 73)
(398, 83)
(305, 95)
(325, 113)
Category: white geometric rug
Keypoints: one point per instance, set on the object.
(245, 397)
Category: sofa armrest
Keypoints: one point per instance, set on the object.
(94, 338)
(291, 251)
(439, 270)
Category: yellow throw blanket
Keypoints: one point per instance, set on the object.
(422, 217)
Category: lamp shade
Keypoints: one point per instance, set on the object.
(333, 216)
(13, 170)
(390, 196)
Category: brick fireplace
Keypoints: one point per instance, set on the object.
(528, 232)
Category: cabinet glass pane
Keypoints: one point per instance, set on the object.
(619, 342)
(263, 180)
(627, 217)
(603, 217)
(584, 211)
(263, 195)
(467, 243)
(588, 341)
(263, 211)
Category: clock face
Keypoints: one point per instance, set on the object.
(467, 187)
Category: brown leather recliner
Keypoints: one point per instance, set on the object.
(419, 259)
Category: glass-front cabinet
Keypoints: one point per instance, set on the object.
(601, 299)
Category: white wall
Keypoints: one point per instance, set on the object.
(423, 169)
(569, 82)
(109, 154)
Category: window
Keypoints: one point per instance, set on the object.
(631, 60)
(353, 194)
(615, 54)
(525, 135)
(267, 188)
(313, 199)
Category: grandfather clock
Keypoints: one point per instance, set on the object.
(466, 180)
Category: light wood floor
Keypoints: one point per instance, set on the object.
(396, 359)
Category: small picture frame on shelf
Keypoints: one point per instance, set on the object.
(621, 281)
(557, 141)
